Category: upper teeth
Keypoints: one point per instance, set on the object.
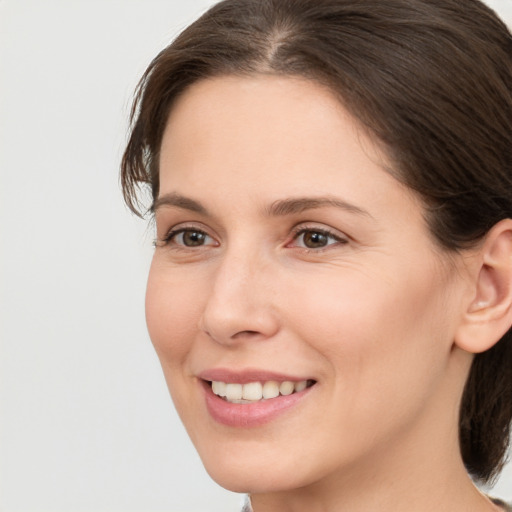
(254, 391)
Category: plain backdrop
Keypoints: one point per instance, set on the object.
(86, 421)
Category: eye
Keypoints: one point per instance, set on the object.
(189, 238)
(311, 238)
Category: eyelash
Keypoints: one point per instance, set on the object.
(296, 233)
(171, 235)
(301, 230)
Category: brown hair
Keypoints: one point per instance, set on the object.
(430, 79)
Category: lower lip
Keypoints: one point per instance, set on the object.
(249, 415)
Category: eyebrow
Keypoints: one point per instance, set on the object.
(300, 204)
(278, 208)
(179, 201)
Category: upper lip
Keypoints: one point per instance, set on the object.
(247, 375)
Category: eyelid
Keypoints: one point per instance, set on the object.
(171, 234)
(340, 238)
(298, 230)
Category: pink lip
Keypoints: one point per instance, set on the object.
(246, 376)
(248, 415)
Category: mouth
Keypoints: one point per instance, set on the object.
(258, 391)
(252, 397)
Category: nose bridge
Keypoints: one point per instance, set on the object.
(233, 278)
(239, 302)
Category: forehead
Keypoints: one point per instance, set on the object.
(237, 144)
(263, 124)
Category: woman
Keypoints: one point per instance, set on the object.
(331, 291)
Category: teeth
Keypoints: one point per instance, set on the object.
(286, 388)
(301, 386)
(255, 391)
(219, 388)
(270, 389)
(252, 391)
(234, 391)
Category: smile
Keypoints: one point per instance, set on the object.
(252, 392)
(252, 398)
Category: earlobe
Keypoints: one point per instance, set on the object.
(489, 314)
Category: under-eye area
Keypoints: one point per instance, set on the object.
(256, 391)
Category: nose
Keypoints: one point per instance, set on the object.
(240, 304)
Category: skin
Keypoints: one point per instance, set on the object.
(371, 316)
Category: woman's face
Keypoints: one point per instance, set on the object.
(287, 257)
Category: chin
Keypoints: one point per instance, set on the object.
(243, 470)
(252, 480)
(262, 466)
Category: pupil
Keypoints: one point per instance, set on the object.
(314, 239)
(193, 238)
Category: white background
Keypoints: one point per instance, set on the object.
(86, 421)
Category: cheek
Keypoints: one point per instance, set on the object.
(378, 332)
(383, 355)
(172, 313)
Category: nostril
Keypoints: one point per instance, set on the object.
(243, 334)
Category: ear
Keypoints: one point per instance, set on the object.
(489, 314)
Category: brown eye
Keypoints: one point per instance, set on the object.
(189, 238)
(193, 238)
(315, 239)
